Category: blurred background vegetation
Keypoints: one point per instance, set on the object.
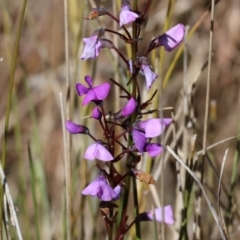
(37, 180)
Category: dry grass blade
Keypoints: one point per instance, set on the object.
(13, 215)
(211, 207)
(66, 167)
(216, 144)
(219, 192)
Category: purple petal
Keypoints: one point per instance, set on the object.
(81, 89)
(97, 150)
(172, 38)
(102, 91)
(75, 128)
(153, 149)
(100, 187)
(149, 216)
(155, 126)
(98, 48)
(149, 75)
(139, 140)
(127, 16)
(92, 189)
(130, 66)
(129, 108)
(89, 50)
(96, 113)
(117, 192)
(90, 96)
(88, 80)
(105, 192)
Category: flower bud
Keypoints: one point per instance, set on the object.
(96, 113)
(75, 128)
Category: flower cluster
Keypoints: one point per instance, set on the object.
(137, 135)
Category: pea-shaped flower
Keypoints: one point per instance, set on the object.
(157, 214)
(101, 188)
(98, 151)
(97, 93)
(126, 15)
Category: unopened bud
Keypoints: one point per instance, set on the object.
(95, 13)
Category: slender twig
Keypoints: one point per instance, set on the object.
(120, 86)
(115, 19)
(125, 39)
(121, 55)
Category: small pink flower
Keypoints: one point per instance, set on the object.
(172, 38)
(92, 47)
(98, 151)
(126, 15)
(157, 214)
(100, 188)
(97, 93)
(155, 126)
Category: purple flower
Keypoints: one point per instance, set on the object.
(149, 75)
(97, 150)
(142, 145)
(126, 15)
(172, 38)
(145, 69)
(96, 113)
(155, 126)
(75, 128)
(157, 214)
(92, 93)
(153, 149)
(100, 188)
(92, 47)
(129, 108)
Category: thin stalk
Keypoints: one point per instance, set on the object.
(115, 19)
(235, 167)
(205, 130)
(14, 62)
(9, 101)
(34, 196)
(67, 136)
(133, 118)
(66, 172)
